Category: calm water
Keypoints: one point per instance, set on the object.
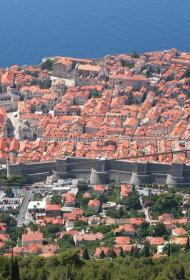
(32, 29)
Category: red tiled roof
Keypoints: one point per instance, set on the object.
(122, 240)
(53, 207)
(155, 240)
(136, 221)
(99, 250)
(30, 237)
(94, 202)
(179, 240)
(4, 237)
(179, 231)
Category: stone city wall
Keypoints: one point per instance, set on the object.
(105, 170)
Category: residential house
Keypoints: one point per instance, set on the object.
(32, 238)
(94, 205)
(53, 210)
(87, 237)
(178, 231)
(126, 230)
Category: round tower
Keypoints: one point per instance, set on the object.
(99, 177)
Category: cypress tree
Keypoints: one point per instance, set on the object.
(132, 251)
(146, 251)
(187, 245)
(169, 250)
(16, 270)
(85, 254)
(102, 255)
(112, 254)
(106, 275)
(120, 212)
(12, 269)
(121, 253)
(135, 252)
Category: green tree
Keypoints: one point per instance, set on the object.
(8, 219)
(102, 255)
(56, 199)
(120, 212)
(3, 179)
(16, 270)
(112, 254)
(47, 65)
(85, 254)
(146, 250)
(166, 203)
(82, 185)
(143, 230)
(173, 249)
(32, 226)
(187, 245)
(11, 269)
(126, 63)
(160, 230)
(16, 233)
(102, 228)
(175, 271)
(121, 253)
(102, 198)
(115, 213)
(187, 73)
(71, 257)
(46, 84)
(42, 275)
(132, 202)
(9, 192)
(169, 250)
(16, 180)
(37, 197)
(66, 242)
(135, 252)
(50, 230)
(80, 224)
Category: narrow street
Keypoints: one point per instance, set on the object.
(15, 123)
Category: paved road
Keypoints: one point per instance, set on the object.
(28, 195)
(147, 216)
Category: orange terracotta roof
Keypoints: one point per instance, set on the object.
(122, 240)
(155, 241)
(30, 237)
(53, 207)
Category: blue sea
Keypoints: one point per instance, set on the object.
(33, 29)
